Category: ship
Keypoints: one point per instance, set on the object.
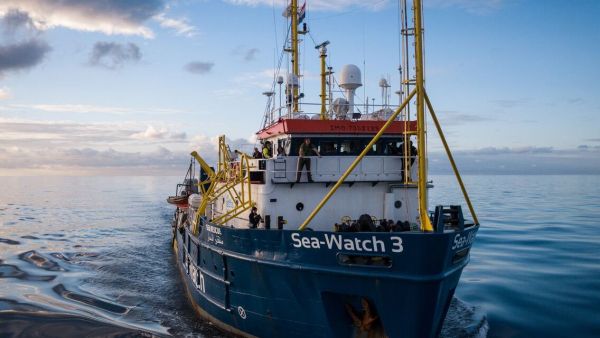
(325, 231)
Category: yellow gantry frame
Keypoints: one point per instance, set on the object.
(295, 57)
(231, 178)
(421, 131)
(323, 57)
(422, 100)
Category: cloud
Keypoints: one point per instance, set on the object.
(320, 5)
(505, 150)
(65, 134)
(21, 132)
(261, 79)
(247, 54)
(181, 26)
(521, 161)
(576, 100)
(511, 103)
(14, 20)
(51, 148)
(152, 133)
(251, 54)
(23, 55)
(112, 55)
(454, 118)
(199, 67)
(593, 139)
(92, 161)
(88, 109)
(4, 93)
(480, 7)
(105, 16)
(208, 147)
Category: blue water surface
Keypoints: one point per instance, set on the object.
(535, 267)
(91, 256)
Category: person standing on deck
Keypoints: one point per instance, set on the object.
(306, 149)
(267, 151)
(280, 151)
(254, 218)
(257, 153)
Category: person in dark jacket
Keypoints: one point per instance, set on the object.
(306, 150)
(257, 153)
(254, 218)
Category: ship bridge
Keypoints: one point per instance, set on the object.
(377, 186)
(338, 142)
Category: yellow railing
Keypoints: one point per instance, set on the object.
(232, 178)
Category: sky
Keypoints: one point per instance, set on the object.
(125, 87)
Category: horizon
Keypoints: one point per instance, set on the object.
(105, 88)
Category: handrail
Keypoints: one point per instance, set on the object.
(356, 161)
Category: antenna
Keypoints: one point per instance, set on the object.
(280, 82)
(269, 102)
(323, 56)
(324, 44)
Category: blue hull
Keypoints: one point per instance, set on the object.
(278, 283)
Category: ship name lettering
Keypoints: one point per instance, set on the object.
(338, 242)
(213, 229)
(461, 241)
(397, 244)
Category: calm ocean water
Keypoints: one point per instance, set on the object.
(91, 256)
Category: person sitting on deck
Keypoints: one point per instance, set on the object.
(267, 151)
(254, 218)
(306, 149)
(256, 154)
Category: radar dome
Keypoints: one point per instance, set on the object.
(350, 77)
(340, 107)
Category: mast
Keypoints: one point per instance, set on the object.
(421, 131)
(323, 56)
(295, 58)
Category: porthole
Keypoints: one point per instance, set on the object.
(300, 206)
(398, 204)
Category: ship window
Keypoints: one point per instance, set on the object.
(351, 146)
(328, 147)
(391, 147)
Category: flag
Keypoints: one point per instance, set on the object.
(302, 13)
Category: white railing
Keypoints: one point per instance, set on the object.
(330, 168)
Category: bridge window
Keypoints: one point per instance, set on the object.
(328, 146)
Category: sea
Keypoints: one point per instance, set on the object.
(91, 257)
